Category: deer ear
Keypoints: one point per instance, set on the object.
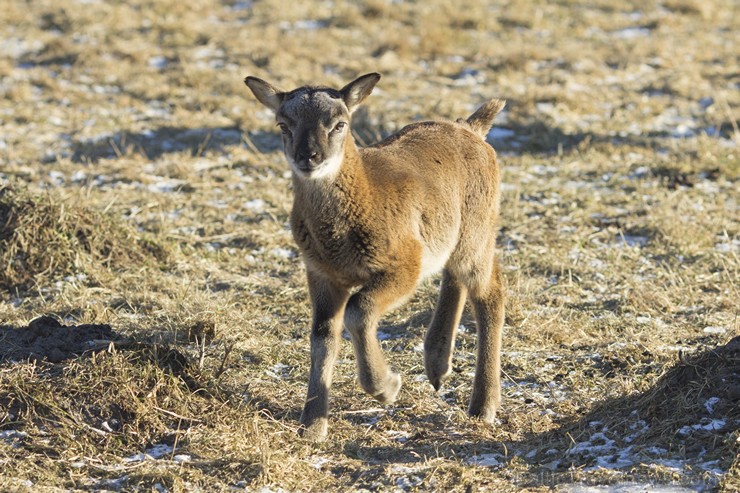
(356, 91)
(266, 93)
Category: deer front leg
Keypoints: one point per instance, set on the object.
(328, 302)
(364, 310)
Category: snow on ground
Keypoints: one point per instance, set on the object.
(625, 488)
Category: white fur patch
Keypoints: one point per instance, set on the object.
(436, 250)
(433, 262)
(326, 170)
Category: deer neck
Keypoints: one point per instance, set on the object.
(338, 197)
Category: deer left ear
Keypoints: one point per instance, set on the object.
(356, 91)
(266, 93)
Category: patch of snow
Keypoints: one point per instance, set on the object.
(154, 452)
(632, 240)
(639, 427)
(408, 482)
(77, 277)
(399, 436)
(675, 347)
(78, 176)
(598, 442)
(624, 488)
(159, 62)
(135, 458)
(57, 177)
(618, 460)
(12, 435)
(708, 187)
(401, 469)
(255, 205)
(242, 5)
(728, 246)
(705, 424)
(159, 450)
(218, 204)
(706, 102)
(639, 173)
(654, 451)
(469, 77)
(165, 185)
(544, 107)
(115, 484)
(682, 130)
(306, 24)
(498, 133)
(711, 467)
(279, 371)
(710, 403)
(283, 253)
(267, 489)
(317, 462)
(484, 460)
(18, 47)
(715, 330)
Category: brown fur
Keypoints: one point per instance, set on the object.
(425, 199)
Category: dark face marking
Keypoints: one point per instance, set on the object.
(314, 123)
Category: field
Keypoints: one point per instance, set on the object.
(153, 309)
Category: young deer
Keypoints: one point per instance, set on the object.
(372, 222)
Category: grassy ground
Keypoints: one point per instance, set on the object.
(142, 192)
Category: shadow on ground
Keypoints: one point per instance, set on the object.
(688, 419)
(530, 136)
(534, 135)
(163, 140)
(46, 339)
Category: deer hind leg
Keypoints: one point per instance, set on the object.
(488, 303)
(440, 337)
(328, 314)
(363, 313)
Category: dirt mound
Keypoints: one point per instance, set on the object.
(683, 391)
(687, 419)
(47, 339)
(43, 238)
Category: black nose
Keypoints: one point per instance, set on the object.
(306, 156)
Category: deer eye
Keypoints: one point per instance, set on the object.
(339, 127)
(284, 128)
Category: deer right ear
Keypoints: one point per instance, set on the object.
(266, 93)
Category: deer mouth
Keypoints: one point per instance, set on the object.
(306, 167)
(309, 168)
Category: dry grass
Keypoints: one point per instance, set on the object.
(142, 187)
(45, 238)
